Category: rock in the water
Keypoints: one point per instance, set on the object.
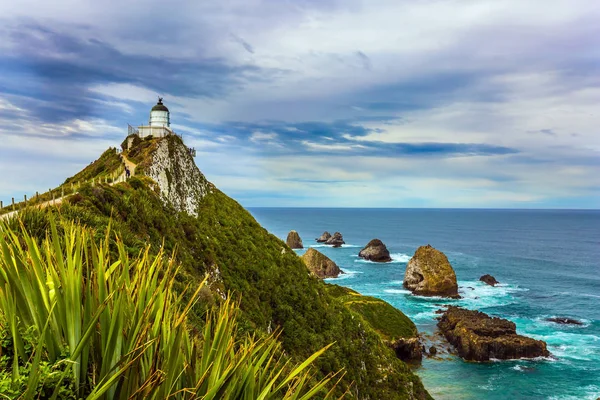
(479, 337)
(429, 273)
(324, 237)
(293, 240)
(432, 351)
(490, 280)
(320, 265)
(408, 349)
(376, 251)
(564, 321)
(336, 240)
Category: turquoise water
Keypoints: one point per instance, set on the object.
(548, 263)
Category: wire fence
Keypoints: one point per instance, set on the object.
(55, 195)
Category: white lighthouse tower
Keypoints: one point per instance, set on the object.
(160, 122)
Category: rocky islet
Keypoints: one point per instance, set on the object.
(320, 265)
(294, 241)
(479, 337)
(429, 273)
(375, 251)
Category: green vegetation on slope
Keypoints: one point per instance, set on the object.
(240, 256)
(104, 169)
(389, 322)
(107, 166)
(77, 321)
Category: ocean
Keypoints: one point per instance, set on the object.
(548, 264)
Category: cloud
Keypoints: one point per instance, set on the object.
(258, 136)
(332, 147)
(411, 103)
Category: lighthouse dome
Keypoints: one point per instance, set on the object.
(159, 115)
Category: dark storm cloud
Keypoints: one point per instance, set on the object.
(339, 138)
(61, 67)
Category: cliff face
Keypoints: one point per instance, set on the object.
(181, 183)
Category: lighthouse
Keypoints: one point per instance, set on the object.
(159, 124)
(159, 115)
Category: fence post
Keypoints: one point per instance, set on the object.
(25, 199)
(13, 203)
(1, 205)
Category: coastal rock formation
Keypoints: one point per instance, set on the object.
(376, 251)
(293, 240)
(564, 321)
(320, 265)
(324, 237)
(336, 240)
(429, 273)
(479, 337)
(179, 180)
(490, 280)
(408, 349)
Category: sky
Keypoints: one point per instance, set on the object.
(315, 103)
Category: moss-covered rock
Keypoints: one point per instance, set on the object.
(479, 337)
(320, 265)
(389, 322)
(429, 273)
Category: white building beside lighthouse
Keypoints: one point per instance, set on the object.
(160, 122)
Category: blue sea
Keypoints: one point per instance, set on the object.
(548, 263)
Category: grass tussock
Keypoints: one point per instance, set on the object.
(80, 318)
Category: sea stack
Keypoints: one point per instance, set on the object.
(429, 273)
(376, 251)
(293, 240)
(336, 240)
(490, 280)
(324, 237)
(320, 265)
(479, 337)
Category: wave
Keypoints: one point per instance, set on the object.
(590, 392)
(477, 295)
(397, 291)
(400, 257)
(328, 245)
(540, 358)
(395, 282)
(346, 275)
(397, 258)
(594, 296)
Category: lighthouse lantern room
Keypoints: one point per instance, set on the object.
(160, 122)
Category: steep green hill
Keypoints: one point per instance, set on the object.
(224, 241)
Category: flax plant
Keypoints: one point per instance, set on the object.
(112, 327)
